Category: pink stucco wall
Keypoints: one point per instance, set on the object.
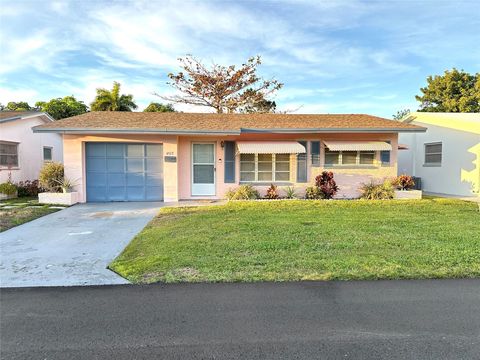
(178, 177)
(348, 179)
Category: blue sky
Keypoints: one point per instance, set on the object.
(333, 56)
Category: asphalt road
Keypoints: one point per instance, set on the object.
(437, 319)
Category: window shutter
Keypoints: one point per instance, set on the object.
(302, 165)
(229, 160)
(385, 156)
(315, 151)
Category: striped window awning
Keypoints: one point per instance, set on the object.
(270, 147)
(358, 145)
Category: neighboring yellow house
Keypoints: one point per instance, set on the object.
(447, 156)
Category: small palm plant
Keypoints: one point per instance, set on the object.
(290, 192)
(66, 184)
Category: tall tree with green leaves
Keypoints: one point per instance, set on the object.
(158, 107)
(226, 89)
(454, 91)
(61, 108)
(19, 106)
(112, 100)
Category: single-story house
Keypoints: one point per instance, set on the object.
(22, 153)
(447, 156)
(134, 156)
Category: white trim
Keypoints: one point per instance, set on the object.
(203, 189)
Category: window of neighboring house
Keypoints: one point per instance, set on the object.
(8, 154)
(264, 167)
(349, 158)
(47, 153)
(433, 154)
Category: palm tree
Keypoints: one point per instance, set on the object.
(111, 100)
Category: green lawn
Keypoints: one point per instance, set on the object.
(307, 240)
(18, 211)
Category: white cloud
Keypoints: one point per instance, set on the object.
(321, 50)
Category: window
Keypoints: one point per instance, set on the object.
(433, 154)
(349, 158)
(332, 157)
(315, 150)
(47, 153)
(264, 167)
(366, 157)
(8, 154)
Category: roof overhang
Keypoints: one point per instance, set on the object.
(270, 147)
(333, 130)
(134, 131)
(43, 115)
(166, 131)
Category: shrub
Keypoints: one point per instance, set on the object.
(51, 176)
(243, 192)
(28, 188)
(66, 185)
(377, 191)
(8, 188)
(290, 192)
(272, 192)
(313, 193)
(403, 182)
(326, 184)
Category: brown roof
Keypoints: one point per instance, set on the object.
(109, 121)
(13, 115)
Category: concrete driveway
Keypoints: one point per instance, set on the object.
(72, 246)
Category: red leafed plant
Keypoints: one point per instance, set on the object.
(326, 184)
(403, 182)
(272, 192)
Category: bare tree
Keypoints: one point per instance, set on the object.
(225, 89)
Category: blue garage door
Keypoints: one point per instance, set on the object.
(124, 172)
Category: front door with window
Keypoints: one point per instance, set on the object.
(203, 169)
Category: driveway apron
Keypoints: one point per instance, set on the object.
(72, 246)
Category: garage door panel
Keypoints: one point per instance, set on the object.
(135, 165)
(135, 150)
(116, 165)
(153, 150)
(153, 166)
(96, 164)
(96, 150)
(96, 179)
(135, 179)
(116, 179)
(116, 193)
(135, 193)
(154, 193)
(154, 180)
(124, 172)
(115, 150)
(96, 193)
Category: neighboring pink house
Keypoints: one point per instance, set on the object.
(128, 156)
(22, 153)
